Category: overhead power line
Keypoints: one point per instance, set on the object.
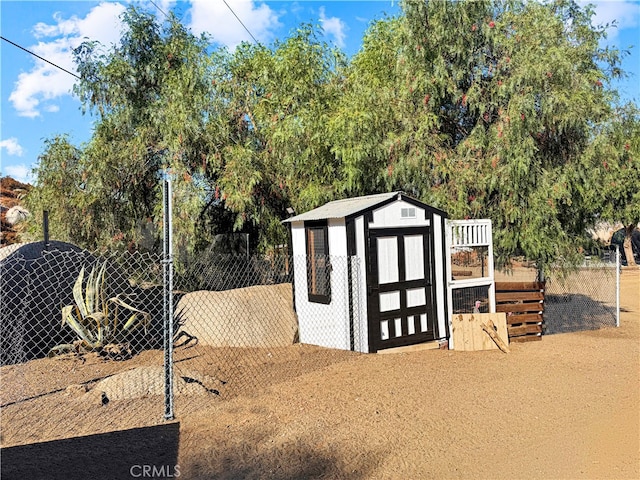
(154, 4)
(238, 18)
(228, 6)
(41, 58)
(159, 9)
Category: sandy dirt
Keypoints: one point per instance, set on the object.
(567, 407)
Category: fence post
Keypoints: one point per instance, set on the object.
(168, 298)
(618, 286)
(45, 222)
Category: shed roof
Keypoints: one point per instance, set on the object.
(343, 208)
(351, 206)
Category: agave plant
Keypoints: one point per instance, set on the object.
(98, 321)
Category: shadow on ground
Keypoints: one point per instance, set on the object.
(147, 452)
(564, 313)
(270, 452)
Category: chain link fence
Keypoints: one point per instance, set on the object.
(71, 323)
(579, 298)
(82, 333)
(82, 336)
(238, 331)
(582, 298)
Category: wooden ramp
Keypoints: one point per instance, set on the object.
(480, 331)
(413, 348)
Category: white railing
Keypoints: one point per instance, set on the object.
(472, 237)
(470, 233)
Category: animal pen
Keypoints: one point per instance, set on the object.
(367, 274)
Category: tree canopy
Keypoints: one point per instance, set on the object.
(485, 109)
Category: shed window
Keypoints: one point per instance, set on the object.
(318, 264)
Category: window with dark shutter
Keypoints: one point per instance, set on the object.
(318, 264)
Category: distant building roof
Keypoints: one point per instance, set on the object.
(347, 207)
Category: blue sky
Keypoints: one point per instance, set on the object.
(36, 101)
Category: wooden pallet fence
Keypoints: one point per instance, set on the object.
(523, 303)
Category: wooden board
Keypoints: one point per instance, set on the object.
(525, 286)
(468, 334)
(412, 348)
(524, 318)
(524, 329)
(519, 296)
(526, 338)
(520, 307)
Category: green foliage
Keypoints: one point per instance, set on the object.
(484, 109)
(151, 95)
(96, 319)
(616, 193)
(274, 105)
(615, 188)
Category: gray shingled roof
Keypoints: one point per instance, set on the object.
(343, 208)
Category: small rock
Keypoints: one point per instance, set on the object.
(96, 397)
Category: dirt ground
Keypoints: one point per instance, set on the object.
(566, 407)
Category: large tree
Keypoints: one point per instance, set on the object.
(151, 97)
(615, 192)
(275, 103)
(485, 109)
(243, 133)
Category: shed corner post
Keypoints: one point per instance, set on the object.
(447, 268)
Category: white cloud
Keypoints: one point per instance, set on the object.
(12, 146)
(44, 82)
(22, 173)
(334, 27)
(626, 14)
(216, 19)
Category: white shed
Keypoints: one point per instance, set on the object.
(373, 274)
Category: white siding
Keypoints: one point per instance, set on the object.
(337, 237)
(298, 242)
(391, 216)
(320, 324)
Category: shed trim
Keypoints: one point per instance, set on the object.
(349, 208)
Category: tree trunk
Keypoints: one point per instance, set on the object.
(628, 249)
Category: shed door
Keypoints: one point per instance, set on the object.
(400, 289)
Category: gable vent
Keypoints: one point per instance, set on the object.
(407, 213)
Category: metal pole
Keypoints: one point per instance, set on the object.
(45, 221)
(168, 299)
(617, 286)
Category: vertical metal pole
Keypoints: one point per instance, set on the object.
(45, 221)
(617, 286)
(168, 299)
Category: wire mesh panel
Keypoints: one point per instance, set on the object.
(581, 299)
(471, 299)
(80, 343)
